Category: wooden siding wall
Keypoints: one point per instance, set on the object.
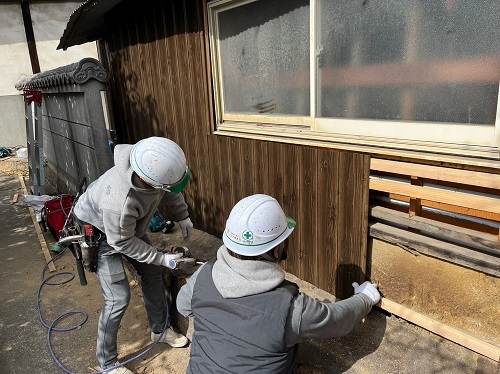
(160, 86)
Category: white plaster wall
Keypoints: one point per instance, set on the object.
(12, 123)
(49, 20)
(15, 60)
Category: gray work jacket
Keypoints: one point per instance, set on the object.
(240, 335)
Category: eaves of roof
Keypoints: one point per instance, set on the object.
(86, 23)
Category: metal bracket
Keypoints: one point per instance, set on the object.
(33, 95)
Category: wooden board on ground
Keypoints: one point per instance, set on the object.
(41, 238)
(455, 335)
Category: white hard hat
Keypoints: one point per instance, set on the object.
(255, 225)
(161, 163)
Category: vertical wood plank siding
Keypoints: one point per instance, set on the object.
(160, 85)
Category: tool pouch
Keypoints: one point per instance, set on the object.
(89, 257)
(89, 245)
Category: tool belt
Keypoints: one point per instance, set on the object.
(89, 245)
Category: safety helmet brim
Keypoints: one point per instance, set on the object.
(248, 249)
(179, 186)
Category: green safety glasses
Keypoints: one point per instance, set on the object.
(176, 187)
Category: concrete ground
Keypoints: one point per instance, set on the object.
(382, 344)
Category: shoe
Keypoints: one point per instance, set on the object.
(120, 370)
(172, 338)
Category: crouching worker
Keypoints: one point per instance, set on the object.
(120, 205)
(247, 317)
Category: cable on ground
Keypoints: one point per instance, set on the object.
(51, 327)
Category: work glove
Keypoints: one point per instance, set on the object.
(369, 289)
(169, 260)
(186, 227)
(184, 263)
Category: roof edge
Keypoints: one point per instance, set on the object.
(76, 73)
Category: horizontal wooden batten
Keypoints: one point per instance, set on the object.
(455, 335)
(436, 248)
(485, 204)
(438, 230)
(466, 177)
(449, 208)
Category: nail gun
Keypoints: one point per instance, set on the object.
(71, 238)
(84, 247)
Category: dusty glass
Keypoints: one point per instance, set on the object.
(408, 60)
(264, 57)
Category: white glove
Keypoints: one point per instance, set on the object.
(369, 289)
(186, 226)
(168, 259)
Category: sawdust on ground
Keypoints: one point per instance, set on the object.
(14, 166)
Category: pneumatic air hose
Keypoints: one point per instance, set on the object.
(52, 327)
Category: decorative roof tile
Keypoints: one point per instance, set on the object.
(76, 73)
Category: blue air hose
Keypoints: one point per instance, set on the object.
(51, 327)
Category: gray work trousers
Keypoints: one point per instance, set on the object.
(116, 292)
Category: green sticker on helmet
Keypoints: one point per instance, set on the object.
(248, 235)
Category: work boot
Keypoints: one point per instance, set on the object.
(120, 370)
(172, 338)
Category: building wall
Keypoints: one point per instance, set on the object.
(49, 21)
(15, 62)
(12, 124)
(160, 86)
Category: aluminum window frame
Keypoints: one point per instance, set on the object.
(453, 139)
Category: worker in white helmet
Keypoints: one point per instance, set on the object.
(247, 317)
(120, 205)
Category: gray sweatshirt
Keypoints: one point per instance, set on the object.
(307, 318)
(120, 206)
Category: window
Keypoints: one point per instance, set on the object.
(387, 73)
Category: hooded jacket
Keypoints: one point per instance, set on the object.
(306, 319)
(118, 205)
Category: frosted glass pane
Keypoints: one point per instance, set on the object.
(411, 60)
(264, 53)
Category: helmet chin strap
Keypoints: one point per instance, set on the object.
(277, 254)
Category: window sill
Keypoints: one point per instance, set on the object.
(474, 156)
